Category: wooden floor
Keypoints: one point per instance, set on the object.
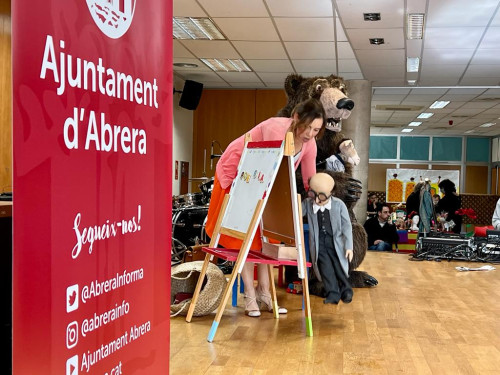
(422, 318)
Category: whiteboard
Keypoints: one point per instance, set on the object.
(256, 173)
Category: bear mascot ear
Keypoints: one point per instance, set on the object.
(292, 83)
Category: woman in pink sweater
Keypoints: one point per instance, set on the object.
(307, 123)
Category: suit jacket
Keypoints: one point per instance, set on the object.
(341, 228)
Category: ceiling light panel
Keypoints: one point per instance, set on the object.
(415, 123)
(425, 115)
(439, 104)
(227, 65)
(195, 28)
(487, 125)
(415, 26)
(412, 64)
(406, 130)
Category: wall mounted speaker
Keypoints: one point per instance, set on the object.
(191, 94)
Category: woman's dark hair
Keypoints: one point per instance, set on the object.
(447, 186)
(308, 111)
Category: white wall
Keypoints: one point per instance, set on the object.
(182, 138)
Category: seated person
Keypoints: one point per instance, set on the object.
(371, 206)
(381, 233)
(330, 226)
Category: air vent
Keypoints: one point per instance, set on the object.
(460, 116)
(394, 107)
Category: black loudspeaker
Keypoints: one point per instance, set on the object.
(191, 94)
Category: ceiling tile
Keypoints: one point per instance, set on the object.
(211, 48)
(203, 77)
(316, 50)
(300, 8)
(274, 77)
(270, 66)
(201, 66)
(486, 56)
(483, 71)
(491, 39)
(441, 71)
(305, 29)
(474, 81)
(453, 37)
(360, 38)
(260, 50)
(347, 76)
(382, 57)
(312, 66)
(187, 8)
(180, 51)
(447, 56)
(345, 51)
(351, 13)
(349, 66)
(252, 29)
(444, 13)
(233, 8)
(233, 77)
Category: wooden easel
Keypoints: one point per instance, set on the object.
(292, 234)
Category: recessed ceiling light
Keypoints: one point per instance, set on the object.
(195, 28)
(185, 65)
(469, 131)
(406, 130)
(425, 115)
(415, 123)
(412, 81)
(439, 104)
(227, 65)
(487, 125)
(371, 16)
(412, 64)
(377, 41)
(415, 26)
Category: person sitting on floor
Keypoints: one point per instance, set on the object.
(330, 238)
(381, 233)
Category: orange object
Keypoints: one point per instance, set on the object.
(409, 187)
(395, 190)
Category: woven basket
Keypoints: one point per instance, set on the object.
(184, 279)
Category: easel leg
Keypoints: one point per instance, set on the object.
(222, 305)
(197, 290)
(305, 280)
(307, 302)
(270, 269)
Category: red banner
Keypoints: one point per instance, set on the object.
(92, 120)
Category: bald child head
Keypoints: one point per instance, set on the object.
(322, 184)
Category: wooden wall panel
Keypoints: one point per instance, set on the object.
(476, 179)
(377, 176)
(5, 104)
(495, 182)
(222, 116)
(268, 103)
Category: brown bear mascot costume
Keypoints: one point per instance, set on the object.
(331, 92)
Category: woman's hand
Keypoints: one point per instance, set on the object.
(349, 254)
